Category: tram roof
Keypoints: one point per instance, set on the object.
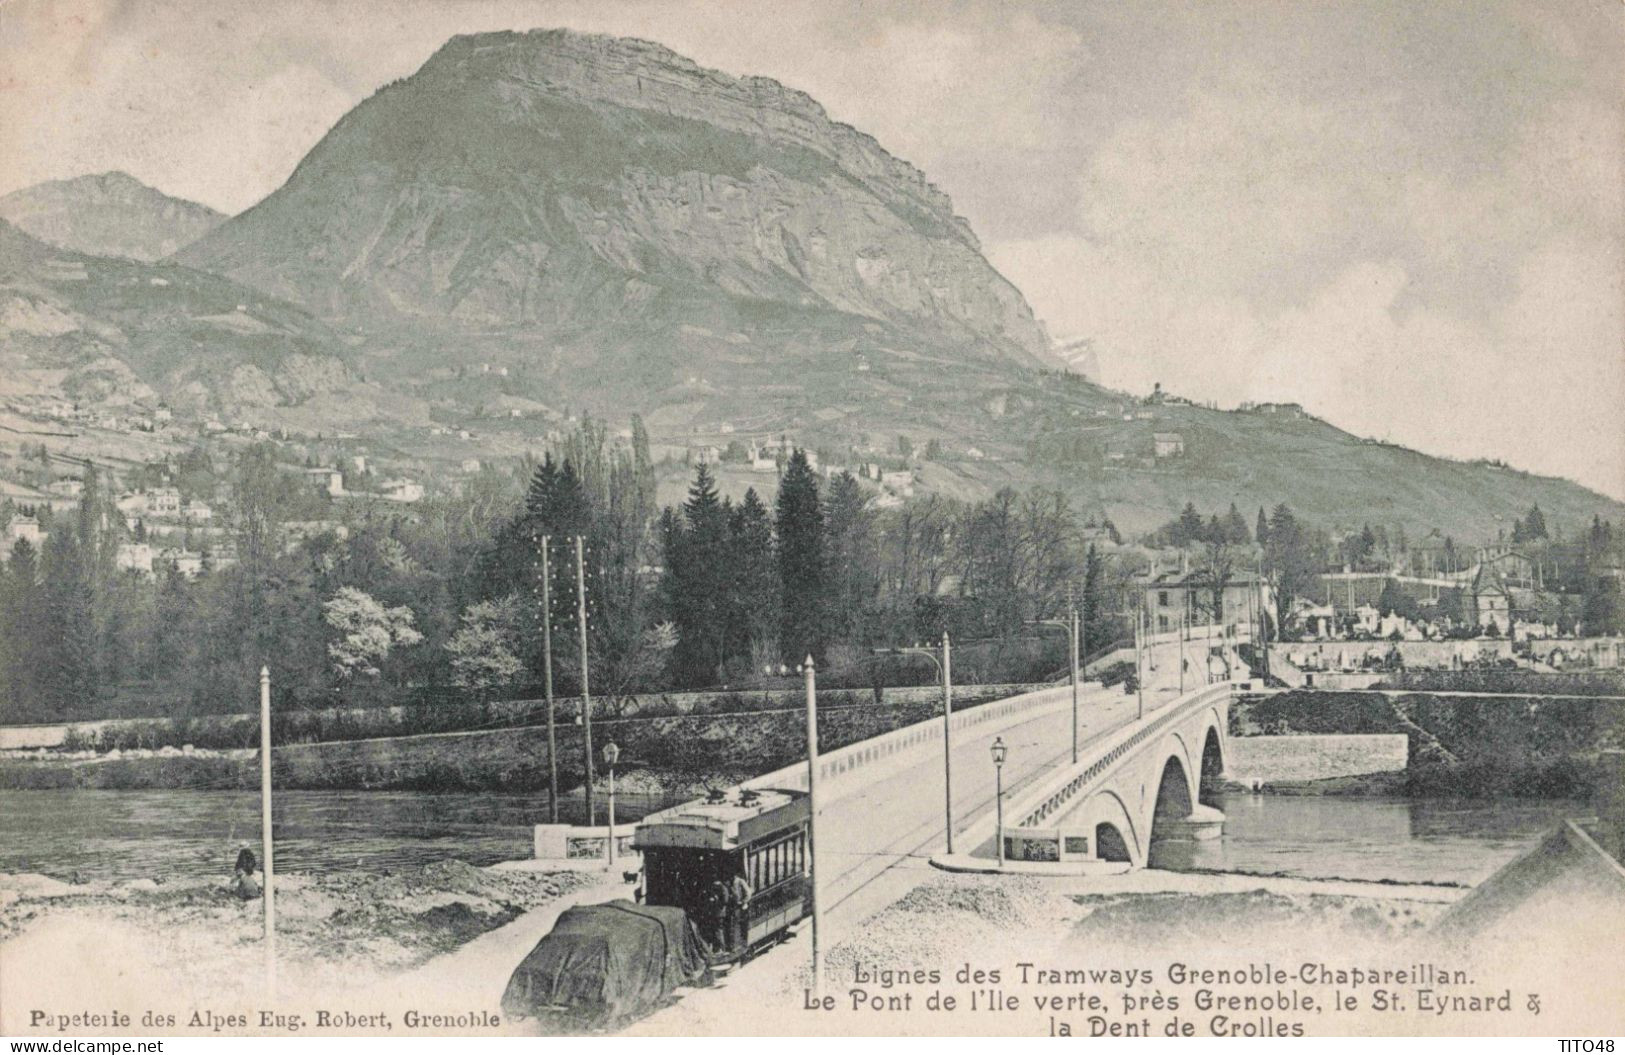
(742, 817)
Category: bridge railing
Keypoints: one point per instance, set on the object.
(840, 770)
(901, 747)
(1049, 798)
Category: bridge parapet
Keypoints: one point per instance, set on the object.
(1097, 816)
(1048, 797)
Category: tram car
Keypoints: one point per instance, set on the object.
(736, 862)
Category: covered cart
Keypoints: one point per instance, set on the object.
(604, 965)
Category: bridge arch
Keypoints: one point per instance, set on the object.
(1174, 745)
(1211, 774)
(1117, 838)
(1174, 799)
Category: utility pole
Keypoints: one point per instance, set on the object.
(947, 739)
(1184, 622)
(586, 691)
(269, 894)
(1075, 631)
(945, 667)
(812, 819)
(1139, 644)
(547, 682)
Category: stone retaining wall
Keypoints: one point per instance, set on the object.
(1273, 758)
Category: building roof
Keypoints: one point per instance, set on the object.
(1243, 577)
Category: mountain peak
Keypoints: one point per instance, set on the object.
(107, 214)
(644, 75)
(553, 180)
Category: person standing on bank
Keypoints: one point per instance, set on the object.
(243, 881)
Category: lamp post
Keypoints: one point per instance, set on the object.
(1070, 625)
(611, 755)
(809, 672)
(945, 668)
(999, 751)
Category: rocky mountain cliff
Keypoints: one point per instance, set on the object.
(107, 332)
(108, 214)
(556, 183)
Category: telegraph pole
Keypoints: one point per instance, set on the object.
(1074, 644)
(947, 739)
(269, 895)
(586, 691)
(812, 819)
(1184, 621)
(1139, 673)
(945, 667)
(547, 681)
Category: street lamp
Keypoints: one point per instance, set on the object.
(999, 751)
(944, 667)
(1070, 625)
(611, 755)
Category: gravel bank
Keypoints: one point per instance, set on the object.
(191, 944)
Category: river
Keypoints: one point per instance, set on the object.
(1397, 840)
(152, 834)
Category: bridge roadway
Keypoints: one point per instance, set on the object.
(875, 839)
(874, 828)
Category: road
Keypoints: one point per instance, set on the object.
(874, 840)
(872, 829)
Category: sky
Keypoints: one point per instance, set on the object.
(1406, 216)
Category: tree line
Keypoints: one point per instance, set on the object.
(356, 603)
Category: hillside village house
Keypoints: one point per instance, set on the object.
(24, 529)
(326, 478)
(403, 490)
(183, 561)
(1511, 566)
(781, 450)
(1176, 598)
(164, 502)
(67, 487)
(1289, 410)
(197, 512)
(1168, 444)
(762, 460)
(134, 556)
(898, 482)
(704, 454)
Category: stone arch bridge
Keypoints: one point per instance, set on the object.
(1151, 779)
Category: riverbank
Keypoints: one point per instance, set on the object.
(510, 759)
(1458, 747)
(1155, 953)
(188, 945)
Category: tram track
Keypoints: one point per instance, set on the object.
(926, 834)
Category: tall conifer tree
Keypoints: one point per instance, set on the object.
(802, 566)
